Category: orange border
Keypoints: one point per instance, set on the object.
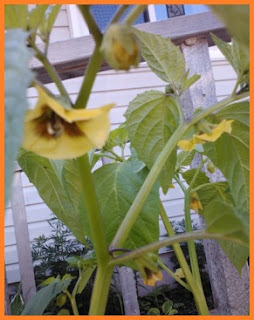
(2, 316)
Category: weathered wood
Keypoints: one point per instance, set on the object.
(230, 290)
(71, 57)
(22, 238)
(128, 290)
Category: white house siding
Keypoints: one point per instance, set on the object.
(110, 86)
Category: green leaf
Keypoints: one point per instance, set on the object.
(223, 218)
(61, 300)
(39, 302)
(212, 191)
(230, 153)
(163, 57)
(236, 18)
(85, 276)
(237, 57)
(187, 82)
(184, 158)
(45, 175)
(151, 119)
(36, 16)
(167, 307)
(15, 16)
(117, 137)
(116, 187)
(17, 79)
(17, 302)
(63, 312)
(201, 178)
(154, 311)
(47, 281)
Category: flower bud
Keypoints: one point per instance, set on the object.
(120, 47)
(211, 167)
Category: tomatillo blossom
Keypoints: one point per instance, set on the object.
(120, 47)
(149, 271)
(152, 277)
(195, 203)
(57, 132)
(216, 132)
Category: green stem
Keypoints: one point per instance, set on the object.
(134, 14)
(194, 178)
(177, 248)
(100, 290)
(137, 205)
(182, 186)
(51, 71)
(114, 154)
(73, 303)
(191, 243)
(92, 26)
(106, 156)
(171, 273)
(170, 241)
(221, 104)
(93, 212)
(88, 81)
(195, 289)
(119, 13)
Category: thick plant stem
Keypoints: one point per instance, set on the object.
(134, 14)
(88, 81)
(93, 212)
(92, 26)
(137, 205)
(100, 290)
(73, 303)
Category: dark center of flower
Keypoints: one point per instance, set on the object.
(50, 125)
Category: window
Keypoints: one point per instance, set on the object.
(163, 12)
(103, 13)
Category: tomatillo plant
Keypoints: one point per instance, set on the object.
(118, 205)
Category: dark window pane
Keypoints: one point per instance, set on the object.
(103, 14)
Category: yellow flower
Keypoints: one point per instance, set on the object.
(120, 47)
(55, 132)
(148, 269)
(195, 203)
(152, 277)
(216, 132)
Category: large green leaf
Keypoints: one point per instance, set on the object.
(200, 179)
(17, 79)
(223, 218)
(151, 119)
(46, 175)
(165, 59)
(236, 19)
(237, 57)
(116, 187)
(15, 16)
(230, 153)
(211, 191)
(40, 301)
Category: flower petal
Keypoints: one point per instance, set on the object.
(224, 126)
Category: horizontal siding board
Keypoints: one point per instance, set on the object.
(13, 273)
(11, 255)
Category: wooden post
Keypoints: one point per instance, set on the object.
(230, 290)
(22, 238)
(129, 292)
